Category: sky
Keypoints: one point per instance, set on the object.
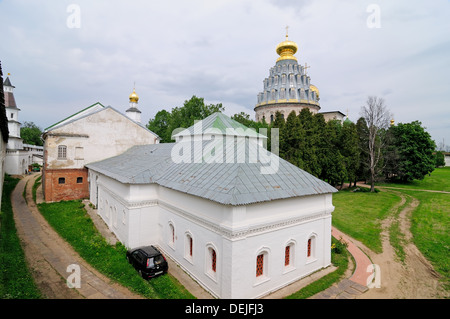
(66, 55)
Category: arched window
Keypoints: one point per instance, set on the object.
(62, 152)
(261, 265)
(188, 247)
(171, 235)
(211, 261)
(310, 247)
(289, 252)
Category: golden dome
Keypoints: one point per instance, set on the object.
(286, 50)
(134, 98)
(314, 89)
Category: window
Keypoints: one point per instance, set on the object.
(171, 235)
(61, 180)
(12, 115)
(79, 180)
(62, 152)
(309, 248)
(260, 265)
(188, 247)
(213, 260)
(287, 255)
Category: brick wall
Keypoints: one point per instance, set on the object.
(65, 184)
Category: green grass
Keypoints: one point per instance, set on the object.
(16, 281)
(339, 258)
(36, 185)
(430, 226)
(71, 221)
(438, 180)
(359, 214)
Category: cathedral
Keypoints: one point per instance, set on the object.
(288, 88)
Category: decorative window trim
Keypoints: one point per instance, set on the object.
(189, 247)
(211, 256)
(264, 276)
(171, 235)
(311, 244)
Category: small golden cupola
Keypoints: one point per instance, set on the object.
(134, 98)
(287, 49)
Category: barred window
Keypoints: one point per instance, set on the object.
(259, 265)
(309, 248)
(287, 255)
(213, 260)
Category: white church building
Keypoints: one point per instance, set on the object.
(238, 219)
(19, 156)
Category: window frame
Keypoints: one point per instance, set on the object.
(62, 152)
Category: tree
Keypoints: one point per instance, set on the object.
(293, 137)
(160, 126)
(440, 159)
(194, 109)
(348, 146)
(415, 149)
(377, 118)
(362, 131)
(31, 134)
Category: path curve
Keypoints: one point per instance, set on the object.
(49, 256)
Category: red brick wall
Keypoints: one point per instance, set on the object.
(72, 189)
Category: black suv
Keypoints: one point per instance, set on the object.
(148, 261)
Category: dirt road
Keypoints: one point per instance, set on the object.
(414, 278)
(49, 256)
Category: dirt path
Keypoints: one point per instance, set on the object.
(412, 279)
(49, 256)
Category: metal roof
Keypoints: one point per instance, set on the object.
(220, 122)
(236, 183)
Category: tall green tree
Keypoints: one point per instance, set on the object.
(293, 138)
(194, 109)
(348, 145)
(415, 149)
(31, 134)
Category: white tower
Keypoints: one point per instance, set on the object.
(12, 112)
(133, 112)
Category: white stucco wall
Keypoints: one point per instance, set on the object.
(143, 215)
(93, 138)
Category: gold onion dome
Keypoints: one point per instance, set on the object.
(286, 50)
(314, 89)
(134, 98)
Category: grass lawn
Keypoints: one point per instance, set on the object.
(439, 180)
(339, 258)
(71, 221)
(430, 226)
(359, 214)
(16, 281)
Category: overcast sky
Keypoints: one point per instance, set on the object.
(61, 61)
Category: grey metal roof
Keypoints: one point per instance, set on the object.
(226, 183)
